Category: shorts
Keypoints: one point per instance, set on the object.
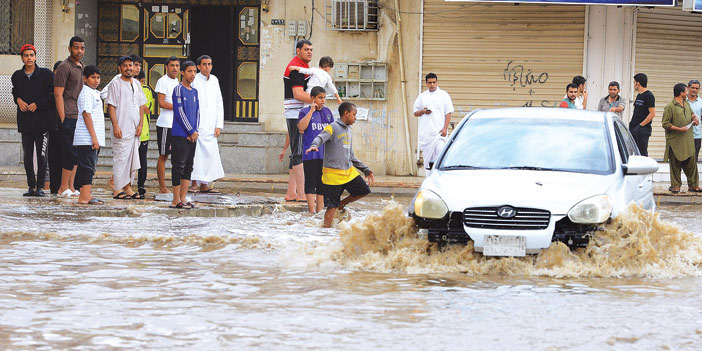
(87, 162)
(69, 155)
(182, 160)
(313, 176)
(295, 138)
(332, 193)
(163, 137)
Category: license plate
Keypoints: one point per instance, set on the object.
(504, 245)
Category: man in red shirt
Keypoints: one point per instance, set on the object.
(295, 98)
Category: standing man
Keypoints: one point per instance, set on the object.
(68, 82)
(125, 104)
(693, 88)
(164, 90)
(434, 108)
(679, 144)
(54, 149)
(32, 88)
(581, 95)
(612, 102)
(207, 165)
(571, 97)
(296, 97)
(644, 111)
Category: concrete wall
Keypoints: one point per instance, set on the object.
(62, 29)
(86, 27)
(381, 140)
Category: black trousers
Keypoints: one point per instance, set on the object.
(182, 156)
(54, 151)
(641, 138)
(30, 141)
(141, 178)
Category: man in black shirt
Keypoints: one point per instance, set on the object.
(644, 111)
(32, 88)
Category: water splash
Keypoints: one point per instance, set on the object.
(636, 244)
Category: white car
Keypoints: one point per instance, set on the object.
(513, 180)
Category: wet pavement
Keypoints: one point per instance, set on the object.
(254, 273)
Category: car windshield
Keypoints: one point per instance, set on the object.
(531, 143)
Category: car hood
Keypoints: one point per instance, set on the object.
(556, 192)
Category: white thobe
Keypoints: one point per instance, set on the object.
(207, 165)
(430, 125)
(125, 151)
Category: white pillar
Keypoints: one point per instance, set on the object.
(609, 53)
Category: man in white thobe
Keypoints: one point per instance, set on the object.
(434, 108)
(207, 165)
(125, 101)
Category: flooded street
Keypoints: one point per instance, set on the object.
(159, 281)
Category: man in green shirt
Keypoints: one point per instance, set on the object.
(679, 142)
(571, 96)
(145, 135)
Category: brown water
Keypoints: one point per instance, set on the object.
(280, 282)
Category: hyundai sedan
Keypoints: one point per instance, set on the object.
(514, 180)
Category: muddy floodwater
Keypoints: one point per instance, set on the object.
(155, 280)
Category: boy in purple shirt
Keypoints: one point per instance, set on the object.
(311, 122)
(186, 118)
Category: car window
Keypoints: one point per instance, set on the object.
(627, 139)
(621, 145)
(531, 143)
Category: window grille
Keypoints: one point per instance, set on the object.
(16, 25)
(352, 15)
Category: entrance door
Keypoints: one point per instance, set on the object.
(155, 32)
(246, 44)
(211, 35)
(166, 33)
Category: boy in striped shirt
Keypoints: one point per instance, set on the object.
(90, 134)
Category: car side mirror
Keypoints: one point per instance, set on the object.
(431, 165)
(640, 165)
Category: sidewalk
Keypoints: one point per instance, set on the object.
(403, 186)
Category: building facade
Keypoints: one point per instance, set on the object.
(486, 54)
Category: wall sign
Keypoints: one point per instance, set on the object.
(698, 3)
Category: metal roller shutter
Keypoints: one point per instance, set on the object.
(496, 55)
(667, 53)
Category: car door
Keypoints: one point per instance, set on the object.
(639, 188)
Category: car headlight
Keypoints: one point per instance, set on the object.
(594, 210)
(429, 205)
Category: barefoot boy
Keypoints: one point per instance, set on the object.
(312, 120)
(89, 135)
(319, 77)
(186, 118)
(338, 172)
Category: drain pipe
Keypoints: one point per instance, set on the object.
(403, 82)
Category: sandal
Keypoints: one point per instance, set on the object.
(137, 196)
(122, 196)
(674, 190)
(189, 204)
(209, 191)
(695, 190)
(95, 201)
(179, 205)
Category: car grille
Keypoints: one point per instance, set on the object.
(487, 218)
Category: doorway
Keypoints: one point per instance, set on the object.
(211, 34)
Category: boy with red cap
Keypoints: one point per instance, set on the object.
(32, 87)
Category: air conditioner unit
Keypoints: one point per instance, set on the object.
(352, 15)
(692, 5)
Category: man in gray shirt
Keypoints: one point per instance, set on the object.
(612, 102)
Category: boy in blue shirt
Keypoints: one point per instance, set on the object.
(311, 122)
(186, 118)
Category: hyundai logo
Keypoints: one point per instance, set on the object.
(506, 212)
